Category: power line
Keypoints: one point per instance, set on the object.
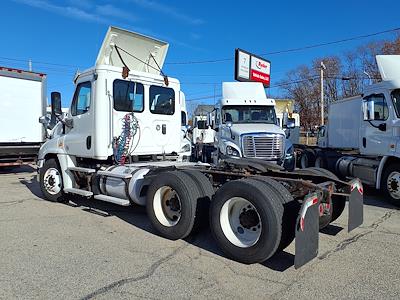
(292, 49)
(40, 62)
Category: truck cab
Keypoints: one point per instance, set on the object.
(362, 136)
(246, 125)
(114, 115)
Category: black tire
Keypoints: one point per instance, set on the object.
(206, 192)
(188, 193)
(307, 158)
(395, 184)
(290, 212)
(270, 211)
(338, 202)
(60, 196)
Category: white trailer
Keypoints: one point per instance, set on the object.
(361, 138)
(121, 143)
(22, 103)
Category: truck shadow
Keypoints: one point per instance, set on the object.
(17, 169)
(137, 217)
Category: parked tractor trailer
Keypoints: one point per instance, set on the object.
(121, 143)
(362, 135)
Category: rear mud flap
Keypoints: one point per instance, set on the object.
(356, 210)
(307, 231)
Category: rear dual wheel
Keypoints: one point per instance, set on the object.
(245, 219)
(177, 202)
(328, 212)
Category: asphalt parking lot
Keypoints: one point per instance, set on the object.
(90, 249)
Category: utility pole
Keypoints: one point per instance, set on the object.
(322, 69)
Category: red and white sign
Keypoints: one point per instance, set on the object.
(249, 67)
(260, 70)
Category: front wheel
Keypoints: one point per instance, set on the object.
(390, 184)
(51, 182)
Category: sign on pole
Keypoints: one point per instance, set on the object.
(250, 67)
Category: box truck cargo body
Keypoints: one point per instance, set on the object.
(344, 123)
(22, 103)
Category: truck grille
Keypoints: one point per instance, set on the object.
(265, 146)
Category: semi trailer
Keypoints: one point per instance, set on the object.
(120, 143)
(362, 135)
(22, 102)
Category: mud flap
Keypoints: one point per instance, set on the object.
(307, 231)
(356, 209)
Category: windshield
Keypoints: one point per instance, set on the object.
(249, 114)
(396, 101)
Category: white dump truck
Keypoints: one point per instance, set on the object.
(120, 143)
(22, 102)
(362, 135)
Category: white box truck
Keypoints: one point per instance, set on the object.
(362, 135)
(125, 107)
(22, 103)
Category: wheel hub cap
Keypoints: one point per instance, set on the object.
(393, 184)
(240, 222)
(52, 181)
(167, 206)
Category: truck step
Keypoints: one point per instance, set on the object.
(110, 174)
(82, 170)
(114, 200)
(78, 192)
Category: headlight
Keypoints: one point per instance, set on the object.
(186, 148)
(232, 151)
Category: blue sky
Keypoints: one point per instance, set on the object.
(61, 36)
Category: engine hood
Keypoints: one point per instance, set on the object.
(239, 129)
(142, 48)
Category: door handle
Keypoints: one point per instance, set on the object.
(164, 129)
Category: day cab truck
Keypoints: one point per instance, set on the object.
(362, 135)
(120, 143)
(22, 102)
(246, 126)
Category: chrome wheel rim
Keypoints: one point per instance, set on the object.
(52, 181)
(393, 184)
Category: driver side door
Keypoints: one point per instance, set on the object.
(79, 140)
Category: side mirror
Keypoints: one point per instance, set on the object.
(285, 117)
(188, 128)
(369, 110)
(56, 104)
(290, 123)
(44, 120)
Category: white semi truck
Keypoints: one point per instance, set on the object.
(121, 141)
(22, 103)
(362, 135)
(246, 126)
